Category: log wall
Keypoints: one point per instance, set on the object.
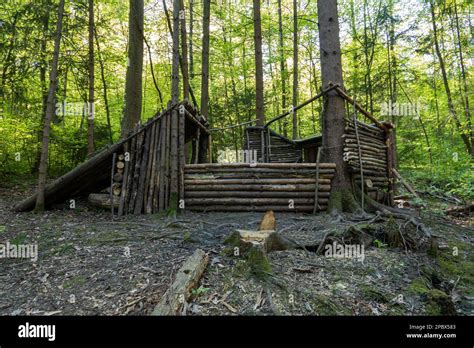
(376, 151)
(266, 186)
(275, 149)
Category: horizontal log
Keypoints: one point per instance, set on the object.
(243, 208)
(364, 139)
(364, 148)
(260, 165)
(256, 181)
(296, 187)
(102, 200)
(286, 172)
(364, 132)
(253, 201)
(196, 176)
(253, 194)
(365, 159)
(373, 178)
(365, 126)
(366, 171)
(372, 166)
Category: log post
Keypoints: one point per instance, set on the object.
(390, 162)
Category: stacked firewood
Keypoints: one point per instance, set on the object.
(261, 187)
(372, 144)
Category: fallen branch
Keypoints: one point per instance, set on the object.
(186, 279)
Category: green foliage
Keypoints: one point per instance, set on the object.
(379, 244)
(199, 291)
(387, 57)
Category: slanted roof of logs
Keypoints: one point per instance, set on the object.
(95, 173)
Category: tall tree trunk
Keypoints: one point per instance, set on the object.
(43, 166)
(392, 75)
(174, 115)
(467, 111)
(257, 35)
(133, 88)
(184, 50)
(460, 128)
(191, 32)
(44, 89)
(295, 68)
(91, 106)
(205, 58)
(282, 61)
(342, 198)
(104, 85)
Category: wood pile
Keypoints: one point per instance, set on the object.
(373, 148)
(266, 186)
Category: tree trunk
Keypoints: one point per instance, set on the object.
(464, 136)
(174, 114)
(342, 198)
(104, 86)
(205, 58)
(257, 27)
(295, 68)
(90, 108)
(282, 61)
(43, 165)
(467, 111)
(191, 32)
(133, 88)
(184, 50)
(44, 90)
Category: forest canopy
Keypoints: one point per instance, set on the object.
(408, 62)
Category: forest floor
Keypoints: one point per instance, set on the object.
(90, 265)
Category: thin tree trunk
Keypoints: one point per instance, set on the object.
(184, 50)
(43, 166)
(191, 32)
(257, 27)
(282, 61)
(104, 86)
(90, 108)
(464, 136)
(133, 88)
(467, 111)
(44, 89)
(295, 68)
(205, 58)
(174, 115)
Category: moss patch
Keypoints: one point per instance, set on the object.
(418, 287)
(372, 294)
(439, 303)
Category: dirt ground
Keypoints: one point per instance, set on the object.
(91, 265)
